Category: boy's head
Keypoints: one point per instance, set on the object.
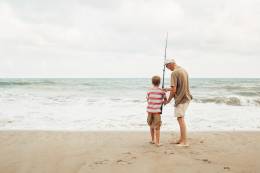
(156, 80)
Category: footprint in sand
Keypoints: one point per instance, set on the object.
(206, 160)
(128, 158)
(100, 162)
(123, 162)
(227, 168)
(194, 153)
(150, 151)
(127, 153)
(169, 152)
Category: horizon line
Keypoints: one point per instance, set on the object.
(123, 77)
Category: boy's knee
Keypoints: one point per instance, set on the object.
(180, 118)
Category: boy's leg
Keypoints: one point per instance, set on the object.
(157, 128)
(182, 125)
(150, 120)
(152, 134)
(157, 134)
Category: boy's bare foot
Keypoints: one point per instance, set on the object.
(158, 145)
(152, 142)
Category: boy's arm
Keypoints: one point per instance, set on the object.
(167, 89)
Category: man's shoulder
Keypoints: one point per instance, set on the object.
(180, 71)
(177, 70)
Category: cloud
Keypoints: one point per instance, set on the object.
(71, 38)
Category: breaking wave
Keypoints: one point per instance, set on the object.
(232, 101)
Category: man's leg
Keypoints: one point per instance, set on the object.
(183, 137)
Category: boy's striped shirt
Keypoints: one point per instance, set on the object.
(155, 97)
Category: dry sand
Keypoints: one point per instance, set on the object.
(119, 152)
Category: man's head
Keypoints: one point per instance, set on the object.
(170, 64)
(156, 80)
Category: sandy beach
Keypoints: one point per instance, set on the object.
(78, 152)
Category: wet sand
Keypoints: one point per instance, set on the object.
(91, 152)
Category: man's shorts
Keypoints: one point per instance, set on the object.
(180, 109)
(154, 120)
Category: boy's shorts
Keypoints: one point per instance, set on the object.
(154, 120)
(180, 109)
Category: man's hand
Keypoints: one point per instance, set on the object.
(166, 102)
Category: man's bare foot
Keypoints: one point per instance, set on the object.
(176, 142)
(183, 145)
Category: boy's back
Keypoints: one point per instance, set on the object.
(155, 98)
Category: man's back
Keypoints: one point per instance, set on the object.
(180, 79)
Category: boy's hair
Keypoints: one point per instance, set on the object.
(156, 80)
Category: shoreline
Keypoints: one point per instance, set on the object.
(127, 131)
(127, 151)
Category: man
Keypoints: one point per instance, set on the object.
(180, 91)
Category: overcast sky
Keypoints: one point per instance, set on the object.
(125, 38)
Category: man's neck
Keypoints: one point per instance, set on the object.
(174, 67)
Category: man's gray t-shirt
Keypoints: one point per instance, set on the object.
(180, 79)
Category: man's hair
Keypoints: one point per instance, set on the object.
(156, 80)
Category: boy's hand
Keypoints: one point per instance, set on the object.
(165, 89)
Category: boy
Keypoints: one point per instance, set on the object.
(155, 98)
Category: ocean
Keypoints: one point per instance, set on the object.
(119, 104)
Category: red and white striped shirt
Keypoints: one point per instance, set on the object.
(155, 97)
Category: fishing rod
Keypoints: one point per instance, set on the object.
(165, 50)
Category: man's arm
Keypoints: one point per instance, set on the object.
(173, 87)
(172, 93)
